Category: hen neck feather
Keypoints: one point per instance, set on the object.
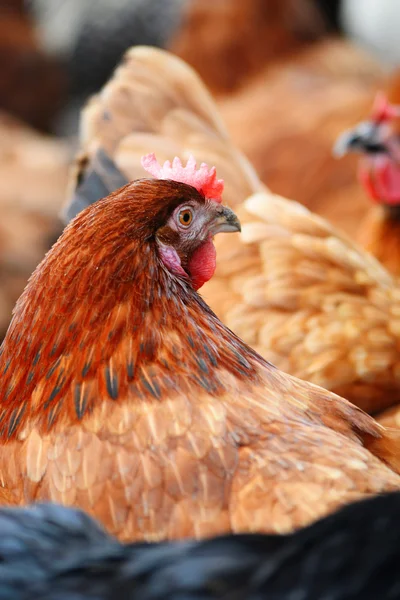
(106, 321)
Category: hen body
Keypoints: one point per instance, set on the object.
(123, 393)
(50, 551)
(296, 289)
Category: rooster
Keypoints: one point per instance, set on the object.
(124, 394)
(292, 286)
(377, 139)
(50, 551)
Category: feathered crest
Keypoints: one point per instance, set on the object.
(382, 110)
(203, 179)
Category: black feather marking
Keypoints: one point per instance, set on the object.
(130, 369)
(209, 386)
(190, 340)
(36, 358)
(15, 419)
(211, 356)
(52, 369)
(72, 327)
(53, 350)
(86, 368)
(56, 390)
(7, 365)
(152, 387)
(80, 401)
(30, 377)
(53, 413)
(111, 383)
(202, 365)
(242, 361)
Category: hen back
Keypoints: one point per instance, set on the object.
(124, 394)
(295, 288)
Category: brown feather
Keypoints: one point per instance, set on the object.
(122, 393)
(292, 286)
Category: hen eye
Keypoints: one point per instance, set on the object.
(185, 217)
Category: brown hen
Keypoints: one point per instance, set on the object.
(292, 286)
(123, 393)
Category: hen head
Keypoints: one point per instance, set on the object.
(379, 142)
(186, 217)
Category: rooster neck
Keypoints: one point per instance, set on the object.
(131, 333)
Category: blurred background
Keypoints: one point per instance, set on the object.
(288, 75)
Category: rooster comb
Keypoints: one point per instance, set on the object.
(203, 179)
(382, 110)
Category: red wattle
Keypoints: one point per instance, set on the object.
(380, 176)
(202, 264)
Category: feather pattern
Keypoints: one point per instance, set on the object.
(291, 285)
(122, 393)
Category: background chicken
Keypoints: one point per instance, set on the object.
(287, 119)
(378, 140)
(229, 41)
(32, 85)
(124, 394)
(55, 551)
(305, 92)
(33, 176)
(294, 288)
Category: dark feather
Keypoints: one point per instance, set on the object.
(53, 552)
(101, 178)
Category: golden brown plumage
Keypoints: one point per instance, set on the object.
(287, 119)
(379, 234)
(33, 177)
(292, 286)
(122, 393)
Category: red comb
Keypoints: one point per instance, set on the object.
(203, 179)
(382, 110)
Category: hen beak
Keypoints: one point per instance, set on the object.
(363, 139)
(224, 221)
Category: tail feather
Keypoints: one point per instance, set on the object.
(154, 103)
